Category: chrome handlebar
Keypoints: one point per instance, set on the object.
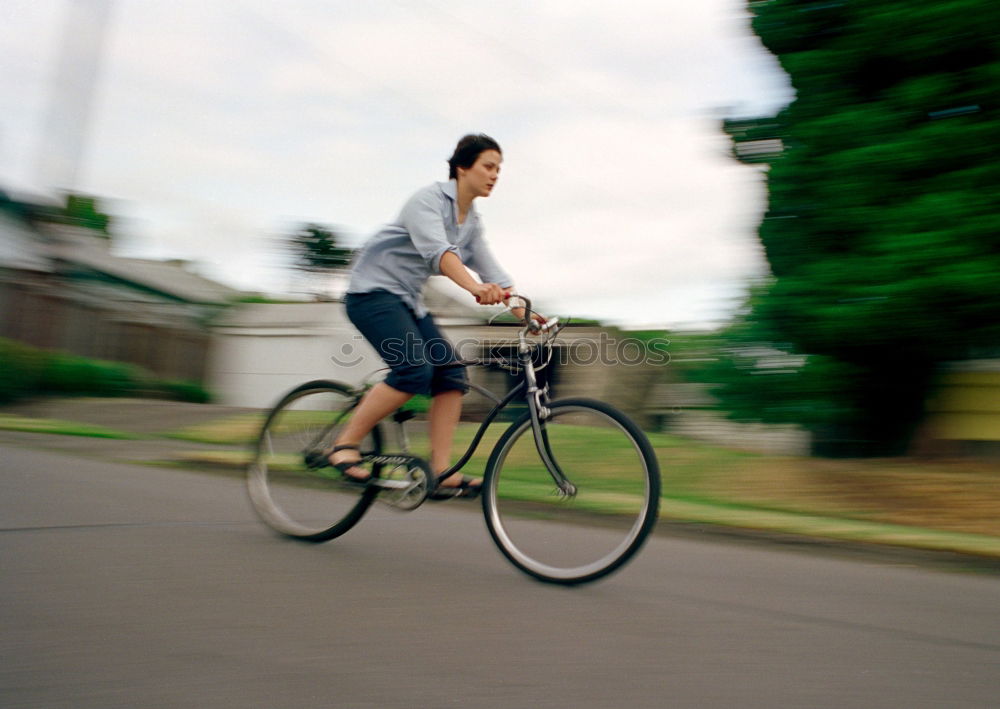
(550, 327)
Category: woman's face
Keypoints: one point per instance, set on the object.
(483, 174)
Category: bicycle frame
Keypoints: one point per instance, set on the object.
(536, 397)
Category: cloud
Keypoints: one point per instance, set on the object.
(222, 124)
(626, 206)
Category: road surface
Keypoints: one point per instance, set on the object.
(133, 586)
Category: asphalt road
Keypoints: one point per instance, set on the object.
(129, 586)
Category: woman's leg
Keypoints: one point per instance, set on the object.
(380, 401)
(448, 385)
(390, 327)
(446, 409)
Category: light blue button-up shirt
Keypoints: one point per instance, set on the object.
(401, 256)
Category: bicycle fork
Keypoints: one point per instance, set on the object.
(537, 400)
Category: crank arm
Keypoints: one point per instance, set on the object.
(393, 484)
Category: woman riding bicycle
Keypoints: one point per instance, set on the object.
(437, 232)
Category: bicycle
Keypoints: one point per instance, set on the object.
(570, 492)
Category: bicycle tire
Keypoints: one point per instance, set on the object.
(610, 460)
(289, 491)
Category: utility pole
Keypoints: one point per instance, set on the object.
(66, 126)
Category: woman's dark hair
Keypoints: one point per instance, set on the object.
(467, 152)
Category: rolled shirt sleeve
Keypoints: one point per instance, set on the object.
(422, 219)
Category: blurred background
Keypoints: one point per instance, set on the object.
(799, 196)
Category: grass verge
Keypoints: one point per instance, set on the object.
(9, 422)
(231, 430)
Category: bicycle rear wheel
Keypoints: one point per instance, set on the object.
(572, 539)
(290, 486)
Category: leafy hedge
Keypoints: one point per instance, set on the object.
(27, 371)
(68, 374)
(20, 369)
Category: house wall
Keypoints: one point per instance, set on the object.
(264, 351)
(255, 369)
(261, 352)
(51, 315)
(964, 412)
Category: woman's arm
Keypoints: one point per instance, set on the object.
(485, 293)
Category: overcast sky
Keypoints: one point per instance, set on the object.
(216, 126)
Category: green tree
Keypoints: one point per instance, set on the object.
(882, 229)
(85, 211)
(80, 211)
(315, 252)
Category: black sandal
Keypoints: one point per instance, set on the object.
(465, 489)
(347, 465)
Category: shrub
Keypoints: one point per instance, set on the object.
(69, 374)
(19, 370)
(179, 390)
(27, 371)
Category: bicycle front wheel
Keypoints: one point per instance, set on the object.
(291, 487)
(579, 537)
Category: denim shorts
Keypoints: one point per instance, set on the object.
(412, 347)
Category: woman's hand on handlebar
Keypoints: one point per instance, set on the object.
(489, 294)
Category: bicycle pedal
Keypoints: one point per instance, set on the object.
(405, 482)
(316, 459)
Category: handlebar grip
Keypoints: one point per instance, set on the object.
(505, 295)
